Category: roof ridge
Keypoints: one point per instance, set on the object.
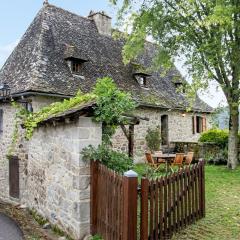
(68, 11)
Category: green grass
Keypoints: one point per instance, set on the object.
(222, 221)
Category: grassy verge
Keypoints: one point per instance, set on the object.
(222, 221)
(222, 207)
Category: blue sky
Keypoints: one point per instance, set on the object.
(16, 16)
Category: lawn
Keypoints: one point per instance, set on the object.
(222, 207)
(222, 219)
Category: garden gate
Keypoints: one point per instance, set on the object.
(122, 210)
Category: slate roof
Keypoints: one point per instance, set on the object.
(38, 62)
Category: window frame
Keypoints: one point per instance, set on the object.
(199, 124)
(76, 65)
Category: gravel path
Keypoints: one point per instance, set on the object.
(9, 230)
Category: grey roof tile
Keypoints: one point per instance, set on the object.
(38, 62)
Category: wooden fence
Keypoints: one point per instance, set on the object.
(113, 204)
(165, 206)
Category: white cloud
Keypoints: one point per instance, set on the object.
(5, 51)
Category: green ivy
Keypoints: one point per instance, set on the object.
(20, 114)
(111, 104)
(33, 119)
(114, 160)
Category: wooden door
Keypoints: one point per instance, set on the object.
(14, 176)
(164, 129)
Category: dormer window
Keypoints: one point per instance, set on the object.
(142, 79)
(76, 67)
(75, 59)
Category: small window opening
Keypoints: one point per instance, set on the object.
(142, 80)
(76, 67)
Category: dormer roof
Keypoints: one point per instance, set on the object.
(38, 63)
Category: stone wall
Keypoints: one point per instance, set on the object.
(19, 150)
(58, 179)
(42, 101)
(179, 130)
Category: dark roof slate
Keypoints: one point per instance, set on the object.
(38, 62)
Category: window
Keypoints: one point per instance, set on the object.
(76, 67)
(1, 121)
(199, 124)
(27, 106)
(142, 80)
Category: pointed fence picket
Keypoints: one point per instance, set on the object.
(167, 204)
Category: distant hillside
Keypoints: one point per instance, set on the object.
(221, 118)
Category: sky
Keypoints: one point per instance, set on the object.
(16, 16)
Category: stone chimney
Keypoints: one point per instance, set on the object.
(102, 21)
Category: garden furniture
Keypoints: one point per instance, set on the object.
(178, 160)
(189, 158)
(150, 161)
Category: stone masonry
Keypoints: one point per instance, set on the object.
(179, 130)
(20, 148)
(58, 179)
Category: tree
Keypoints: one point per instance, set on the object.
(205, 32)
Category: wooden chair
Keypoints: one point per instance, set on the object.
(178, 161)
(189, 158)
(150, 161)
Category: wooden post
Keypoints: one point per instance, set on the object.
(144, 209)
(93, 193)
(130, 195)
(203, 188)
(131, 140)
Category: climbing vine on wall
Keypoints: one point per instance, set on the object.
(20, 114)
(111, 104)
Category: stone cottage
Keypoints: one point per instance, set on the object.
(59, 54)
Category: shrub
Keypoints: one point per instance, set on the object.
(114, 160)
(220, 137)
(153, 139)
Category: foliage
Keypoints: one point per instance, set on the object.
(144, 170)
(153, 138)
(42, 221)
(17, 121)
(218, 157)
(217, 153)
(96, 237)
(220, 137)
(205, 35)
(111, 104)
(114, 160)
(38, 218)
(32, 120)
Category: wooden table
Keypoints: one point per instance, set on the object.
(167, 157)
